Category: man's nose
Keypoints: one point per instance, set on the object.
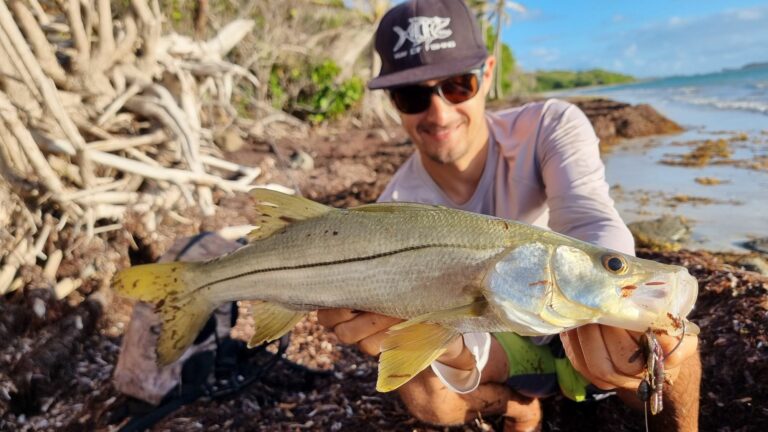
(438, 109)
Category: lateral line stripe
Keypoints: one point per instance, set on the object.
(344, 261)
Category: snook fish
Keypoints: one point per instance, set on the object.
(444, 271)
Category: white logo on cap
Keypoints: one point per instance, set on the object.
(423, 31)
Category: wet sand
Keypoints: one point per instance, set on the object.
(722, 215)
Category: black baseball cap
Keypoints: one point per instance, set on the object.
(420, 40)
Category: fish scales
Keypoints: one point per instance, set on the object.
(365, 261)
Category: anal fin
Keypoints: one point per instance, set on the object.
(408, 350)
(272, 321)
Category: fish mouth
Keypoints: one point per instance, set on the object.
(666, 293)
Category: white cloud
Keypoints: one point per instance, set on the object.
(517, 7)
(546, 55)
(681, 45)
(617, 18)
(531, 15)
(748, 14)
(676, 21)
(631, 50)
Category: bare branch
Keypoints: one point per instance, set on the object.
(106, 47)
(40, 45)
(79, 36)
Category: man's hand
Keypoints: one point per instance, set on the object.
(365, 329)
(602, 354)
(368, 330)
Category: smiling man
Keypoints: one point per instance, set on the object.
(539, 164)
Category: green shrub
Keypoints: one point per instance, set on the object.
(313, 92)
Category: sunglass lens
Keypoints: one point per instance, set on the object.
(460, 88)
(411, 99)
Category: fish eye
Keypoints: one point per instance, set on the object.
(615, 264)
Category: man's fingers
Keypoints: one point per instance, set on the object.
(573, 351)
(623, 349)
(363, 325)
(330, 318)
(366, 329)
(686, 349)
(597, 359)
(372, 344)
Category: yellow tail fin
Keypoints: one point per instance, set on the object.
(169, 287)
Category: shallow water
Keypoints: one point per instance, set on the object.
(643, 187)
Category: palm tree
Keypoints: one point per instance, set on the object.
(496, 11)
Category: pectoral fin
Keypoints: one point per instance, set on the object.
(272, 321)
(474, 309)
(408, 350)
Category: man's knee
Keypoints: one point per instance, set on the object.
(429, 401)
(522, 414)
(445, 410)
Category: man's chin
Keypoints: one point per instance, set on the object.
(443, 157)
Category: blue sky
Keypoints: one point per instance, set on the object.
(648, 38)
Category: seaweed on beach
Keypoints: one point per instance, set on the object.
(705, 153)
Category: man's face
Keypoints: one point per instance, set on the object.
(447, 133)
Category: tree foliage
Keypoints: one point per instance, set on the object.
(318, 95)
(508, 62)
(563, 79)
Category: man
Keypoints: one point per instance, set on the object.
(539, 164)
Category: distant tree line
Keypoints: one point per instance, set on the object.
(563, 79)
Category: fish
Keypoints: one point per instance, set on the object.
(443, 271)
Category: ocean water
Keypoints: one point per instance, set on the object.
(741, 90)
(730, 105)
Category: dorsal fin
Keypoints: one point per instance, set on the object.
(396, 207)
(278, 210)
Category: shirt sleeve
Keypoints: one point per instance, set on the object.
(465, 381)
(574, 178)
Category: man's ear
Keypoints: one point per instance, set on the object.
(490, 66)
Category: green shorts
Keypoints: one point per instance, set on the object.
(539, 368)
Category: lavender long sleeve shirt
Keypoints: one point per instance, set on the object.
(543, 168)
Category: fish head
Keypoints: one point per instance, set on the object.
(624, 290)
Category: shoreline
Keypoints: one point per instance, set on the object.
(660, 164)
(708, 175)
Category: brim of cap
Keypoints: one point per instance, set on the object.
(425, 73)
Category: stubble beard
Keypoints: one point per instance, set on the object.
(448, 157)
(449, 153)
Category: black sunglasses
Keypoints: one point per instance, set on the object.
(413, 99)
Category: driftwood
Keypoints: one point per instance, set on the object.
(110, 118)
